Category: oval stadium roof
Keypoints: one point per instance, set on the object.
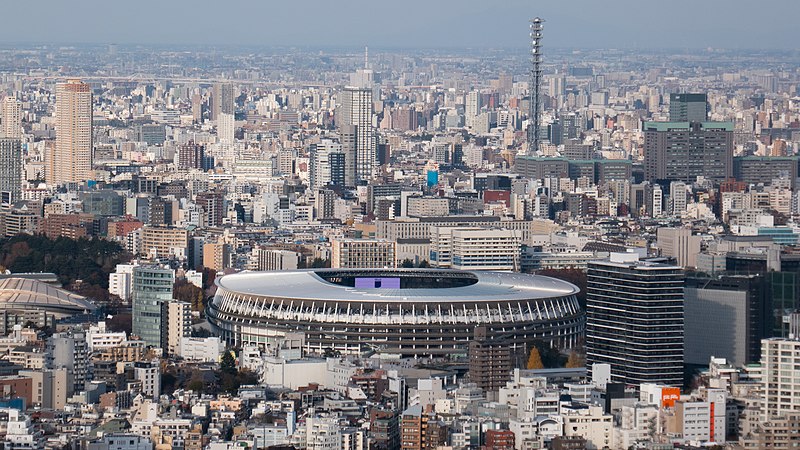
(309, 285)
(28, 294)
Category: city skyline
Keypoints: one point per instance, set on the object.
(447, 24)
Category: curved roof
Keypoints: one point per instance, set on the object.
(25, 293)
(308, 285)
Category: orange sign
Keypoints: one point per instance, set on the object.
(669, 395)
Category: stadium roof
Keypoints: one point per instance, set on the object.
(25, 293)
(309, 285)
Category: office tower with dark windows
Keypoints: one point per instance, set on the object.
(634, 319)
(10, 170)
(683, 151)
(688, 107)
(223, 100)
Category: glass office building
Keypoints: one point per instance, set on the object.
(634, 319)
(152, 288)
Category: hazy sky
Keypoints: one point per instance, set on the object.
(407, 23)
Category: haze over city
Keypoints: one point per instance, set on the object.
(733, 24)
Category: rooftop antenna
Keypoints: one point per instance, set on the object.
(535, 85)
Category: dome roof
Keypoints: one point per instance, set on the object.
(23, 294)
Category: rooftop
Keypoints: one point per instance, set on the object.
(399, 285)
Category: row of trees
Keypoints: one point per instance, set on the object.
(87, 260)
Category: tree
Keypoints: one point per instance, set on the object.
(534, 359)
(424, 264)
(407, 264)
(189, 293)
(196, 385)
(575, 360)
(228, 363)
(320, 263)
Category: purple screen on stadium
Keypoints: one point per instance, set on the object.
(372, 283)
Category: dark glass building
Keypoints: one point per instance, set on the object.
(634, 319)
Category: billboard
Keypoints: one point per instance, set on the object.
(669, 395)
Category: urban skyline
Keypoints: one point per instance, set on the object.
(229, 247)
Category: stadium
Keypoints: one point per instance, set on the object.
(407, 312)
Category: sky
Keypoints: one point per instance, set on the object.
(667, 24)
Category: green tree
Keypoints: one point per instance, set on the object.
(196, 385)
(407, 264)
(228, 363)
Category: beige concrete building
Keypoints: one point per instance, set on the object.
(160, 241)
(179, 323)
(11, 118)
(679, 243)
(71, 158)
(362, 254)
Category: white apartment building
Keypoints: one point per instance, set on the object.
(99, 338)
(475, 248)
(201, 349)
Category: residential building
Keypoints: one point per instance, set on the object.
(71, 157)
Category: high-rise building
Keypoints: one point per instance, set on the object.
(726, 317)
(152, 289)
(472, 108)
(213, 205)
(420, 430)
(348, 137)
(71, 158)
(10, 170)
(327, 164)
(634, 319)
(11, 118)
(489, 361)
(190, 156)
(779, 360)
(356, 110)
(179, 315)
(688, 107)
(683, 151)
(226, 128)
(223, 100)
(69, 350)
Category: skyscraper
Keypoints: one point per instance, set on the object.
(326, 161)
(682, 151)
(356, 110)
(10, 170)
(222, 100)
(688, 107)
(226, 128)
(11, 118)
(71, 158)
(472, 108)
(152, 290)
(634, 319)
